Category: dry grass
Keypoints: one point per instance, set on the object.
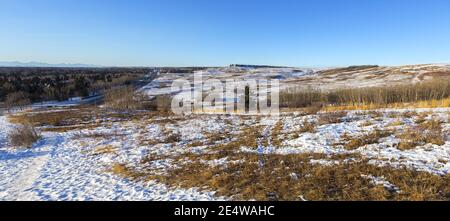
(172, 138)
(213, 138)
(249, 137)
(367, 123)
(276, 132)
(87, 117)
(371, 138)
(409, 114)
(292, 177)
(307, 127)
(56, 118)
(420, 119)
(125, 172)
(249, 176)
(331, 117)
(428, 132)
(63, 129)
(196, 143)
(398, 122)
(399, 105)
(108, 149)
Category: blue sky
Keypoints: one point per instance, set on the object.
(221, 32)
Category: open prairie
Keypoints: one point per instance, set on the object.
(332, 140)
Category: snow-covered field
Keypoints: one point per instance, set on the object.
(59, 168)
(79, 164)
(317, 78)
(91, 153)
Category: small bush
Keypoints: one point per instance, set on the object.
(122, 99)
(173, 138)
(307, 127)
(24, 136)
(163, 103)
(17, 99)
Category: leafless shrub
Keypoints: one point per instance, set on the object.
(24, 135)
(122, 98)
(296, 98)
(17, 99)
(163, 103)
(404, 93)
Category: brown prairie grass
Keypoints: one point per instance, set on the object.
(276, 132)
(420, 119)
(371, 138)
(409, 114)
(367, 123)
(104, 150)
(398, 122)
(400, 105)
(57, 118)
(331, 117)
(375, 114)
(247, 137)
(125, 171)
(307, 127)
(424, 133)
(293, 177)
(212, 138)
(70, 119)
(196, 143)
(172, 138)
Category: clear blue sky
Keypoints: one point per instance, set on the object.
(220, 32)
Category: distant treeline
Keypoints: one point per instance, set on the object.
(180, 69)
(19, 86)
(255, 66)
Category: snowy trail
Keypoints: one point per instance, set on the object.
(27, 166)
(21, 188)
(58, 169)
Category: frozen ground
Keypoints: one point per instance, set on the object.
(57, 169)
(76, 165)
(78, 162)
(318, 78)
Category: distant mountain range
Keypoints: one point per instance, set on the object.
(41, 64)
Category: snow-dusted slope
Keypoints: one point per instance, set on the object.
(324, 79)
(57, 169)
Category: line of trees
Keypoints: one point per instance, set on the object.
(437, 89)
(20, 86)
